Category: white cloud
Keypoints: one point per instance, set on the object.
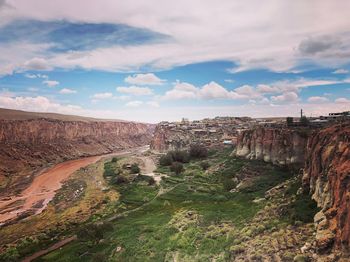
(33, 89)
(51, 83)
(342, 100)
(266, 89)
(194, 36)
(67, 91)
(135, 90)
(32, 76)
(181, 90)
(285, 97)
(38, 104)
(135, 103)
(229, 80)
(144, 79)
(153, 103)
(341, 71)
(37, 64)
(102, 95)
(317, 99)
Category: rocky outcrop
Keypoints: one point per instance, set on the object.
(27, 146)
(165, 139)
(278, 146)
(327, 177)
(325, 156)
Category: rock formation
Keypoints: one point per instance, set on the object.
(26, 146)
(327, 176)
(278, 146)
(325, 154)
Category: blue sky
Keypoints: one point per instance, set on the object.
(134, 61)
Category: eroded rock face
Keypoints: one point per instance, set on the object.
(327, 176)
(278, 146)
(28, 145)
(164, 140)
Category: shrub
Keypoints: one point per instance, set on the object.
(205, 165)
(198, 151)
(151, 181)
(119, 180)
(177, 168)
(229, 184)
(166, 160)
(114, 160)
(135, 169)
(179, 156)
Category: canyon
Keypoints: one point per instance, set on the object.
(32, 142)
(323, 156)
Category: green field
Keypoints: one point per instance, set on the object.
(189, 217)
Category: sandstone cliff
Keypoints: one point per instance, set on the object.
(278, 146)
(164, 139)
(327, 176)
(27, 146)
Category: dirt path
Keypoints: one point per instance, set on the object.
(149, 167)
(35, 198)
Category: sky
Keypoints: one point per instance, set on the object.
(154, 60)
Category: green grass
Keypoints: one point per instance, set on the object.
(147, 235)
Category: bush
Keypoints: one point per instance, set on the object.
(166, 160)
(229, 184)
(114, 160)
(135, 169)
(180, 156)
(204, 165)
(151, 181)
(119, 180)
(177, 168)
(174, 156)
(198, 151)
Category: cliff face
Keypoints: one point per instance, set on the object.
(279, 146)
(164, 140)
(28, 145)
(327, 176)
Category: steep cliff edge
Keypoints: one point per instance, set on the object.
(325, 156)
(327, 176)
(278, 146)
(28, 145)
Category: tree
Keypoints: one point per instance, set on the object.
(179, 156)
(166, 160)
(198, 151)
(114, 160)
(177, 168)
(135, 169)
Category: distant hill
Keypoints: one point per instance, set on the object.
(9, 114)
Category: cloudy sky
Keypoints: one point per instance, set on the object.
(153, 60)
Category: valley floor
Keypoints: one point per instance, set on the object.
(236, 210)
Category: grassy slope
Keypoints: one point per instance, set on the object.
(196, 218)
